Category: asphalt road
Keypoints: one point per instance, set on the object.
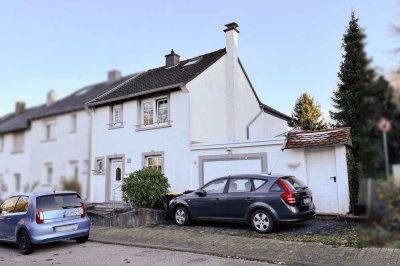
(91, 253)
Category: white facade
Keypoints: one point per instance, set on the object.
(62, 155)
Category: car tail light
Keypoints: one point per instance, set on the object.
(39, 216)
(83, 211)
(288, 196)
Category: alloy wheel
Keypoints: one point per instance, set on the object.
(261, 221)
(180, 216)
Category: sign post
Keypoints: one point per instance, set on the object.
(385, 126)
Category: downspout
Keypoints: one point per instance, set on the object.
(251, 122)
(89, 112)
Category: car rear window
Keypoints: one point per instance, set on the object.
(293, 182)
(58, 202)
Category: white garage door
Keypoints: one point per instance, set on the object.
(321, 167)
(220, 168)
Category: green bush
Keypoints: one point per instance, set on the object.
(144, 188)
(72, 185)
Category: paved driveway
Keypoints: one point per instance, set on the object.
(70, 253)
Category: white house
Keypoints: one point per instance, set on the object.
(199, 119)
(43, 146)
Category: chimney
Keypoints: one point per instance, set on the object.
(51, 97)
(232, 73)
(171, 59)
(114, 75)
(19, 107)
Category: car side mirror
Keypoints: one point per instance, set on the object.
(200, 192)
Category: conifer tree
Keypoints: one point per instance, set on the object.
(307, 114)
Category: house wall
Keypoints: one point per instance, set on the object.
(267, 125)
(66, 149)
(208, 108)
(173, 141)
(12, 163)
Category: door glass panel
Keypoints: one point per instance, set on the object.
(215, 186)
(239, 185)
(22, 205)
(9, 205)
(118, 174)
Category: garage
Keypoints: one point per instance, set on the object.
(215, 166)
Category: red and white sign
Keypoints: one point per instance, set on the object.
(384, 125)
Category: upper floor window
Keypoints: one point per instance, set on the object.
(74, 122)
(116, 116)
(49, 130)
(18, 144)
(1, 143)
(155, 112)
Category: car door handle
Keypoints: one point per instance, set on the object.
(334, 178)
(216, 199)
(8, 218)
(249, 199)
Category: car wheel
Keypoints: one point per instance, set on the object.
(181, 216)
(24, 243)
(82, 239)
(262, 221)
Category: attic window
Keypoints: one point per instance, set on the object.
(83, 91)
(193, 61)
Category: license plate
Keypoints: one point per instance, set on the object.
(306, 201)
(71, 227)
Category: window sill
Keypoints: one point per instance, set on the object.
(116, 127)
(98, 173)
(72, 132)
(48, 140)
(17, 152)
(154, 126)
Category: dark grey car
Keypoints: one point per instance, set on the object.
(261, 200)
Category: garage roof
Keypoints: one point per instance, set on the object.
(312, 138)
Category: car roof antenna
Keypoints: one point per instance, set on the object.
(276, 163)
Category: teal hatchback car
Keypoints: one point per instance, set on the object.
(29, 219)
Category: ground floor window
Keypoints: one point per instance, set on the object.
(154, 160)
(17, 182)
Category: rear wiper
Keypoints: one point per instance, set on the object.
(70, 207)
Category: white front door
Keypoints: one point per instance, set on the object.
(321, 170)
(221, 168)
(116, 180)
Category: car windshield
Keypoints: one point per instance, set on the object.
(293, 182)
(58, 202)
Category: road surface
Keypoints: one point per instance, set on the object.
(91, 253)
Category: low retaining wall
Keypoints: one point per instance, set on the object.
(133, 218)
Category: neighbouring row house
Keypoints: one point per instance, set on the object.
(194, 120)
(43, 146)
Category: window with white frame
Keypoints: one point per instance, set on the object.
(3, 186)
(49, 130)
(18, 142)
(154, 161)
(116, 116)
(155, 111)
(1, 143)
(48, 168)
(74, 122)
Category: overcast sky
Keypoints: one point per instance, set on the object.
(287, 47)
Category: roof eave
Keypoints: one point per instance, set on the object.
(135, 95)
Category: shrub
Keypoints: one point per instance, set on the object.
(144, 188)
(72, 185)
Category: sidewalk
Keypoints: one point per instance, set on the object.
(251, 248)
